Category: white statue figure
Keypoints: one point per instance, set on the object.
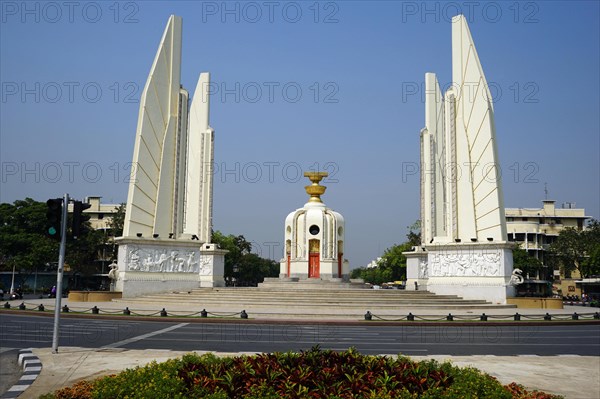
(516, 278)
(161, 262)
(134, 260)
(462, 265)
(205, 268)
(190, 261)
(423, 269)
(148, 264)
(177, 262)
(113, 275)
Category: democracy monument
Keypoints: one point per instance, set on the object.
(314, 239)
(167, 229)
(464, 246)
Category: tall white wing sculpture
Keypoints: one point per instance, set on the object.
(168, 217)
(150, 202)
(464, 249)
(460, 182)
(170, 192)
(200, 164)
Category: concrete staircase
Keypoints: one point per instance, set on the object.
(313, 299)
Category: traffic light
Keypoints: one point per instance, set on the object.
(54, 217)
(79, 218)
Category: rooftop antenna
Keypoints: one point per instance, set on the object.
(546, 191)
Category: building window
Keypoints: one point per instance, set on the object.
(524, 219)
(100, 216)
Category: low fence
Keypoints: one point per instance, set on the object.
(368, 316)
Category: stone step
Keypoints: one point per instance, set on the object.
(353, 292)
(299, 302)
(278, 300)
(311, 294)
(313, 286)
(300, 295)
(331, 299)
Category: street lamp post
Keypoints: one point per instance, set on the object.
(59, 278)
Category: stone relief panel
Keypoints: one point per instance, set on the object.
(153, 259)
(464, 264)
(423, 269)
(206, 266)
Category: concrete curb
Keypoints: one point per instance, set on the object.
(32, 367)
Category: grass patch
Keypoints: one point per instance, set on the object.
(309, 374)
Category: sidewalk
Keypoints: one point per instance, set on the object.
(575, 377)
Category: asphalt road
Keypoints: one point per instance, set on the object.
(19, 331)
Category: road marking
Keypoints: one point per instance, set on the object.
(143, 336)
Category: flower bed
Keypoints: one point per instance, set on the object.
(310, 374)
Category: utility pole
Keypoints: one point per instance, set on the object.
(12, 283)
(59, 277)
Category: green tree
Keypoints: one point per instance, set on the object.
(577, 250)
(394, 260)
(117, 221)
(24, 244)
(392, 265)
(527, 263)
(414, 233)
(240, 263)
(591, 236)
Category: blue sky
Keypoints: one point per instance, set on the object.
(302, 85)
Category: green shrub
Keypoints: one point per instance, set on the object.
(308, 374)
(155, 380)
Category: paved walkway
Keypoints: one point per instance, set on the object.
(575, 377)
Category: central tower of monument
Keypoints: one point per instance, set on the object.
(464, 249)
(314, 238)
(168, 217)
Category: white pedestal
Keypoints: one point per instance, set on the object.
(328, 269)
(148, 266)
(471, 271)
(416, 270)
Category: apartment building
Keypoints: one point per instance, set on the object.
(534, 229)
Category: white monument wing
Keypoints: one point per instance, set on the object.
(198, 213)
(150, 199)
(481, 210)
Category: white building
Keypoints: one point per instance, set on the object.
(100, 214)
(535, 229)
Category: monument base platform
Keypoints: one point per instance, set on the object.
(148, 266)
(295, 283)
(93, 296)
(536, 303)
(471, 271)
